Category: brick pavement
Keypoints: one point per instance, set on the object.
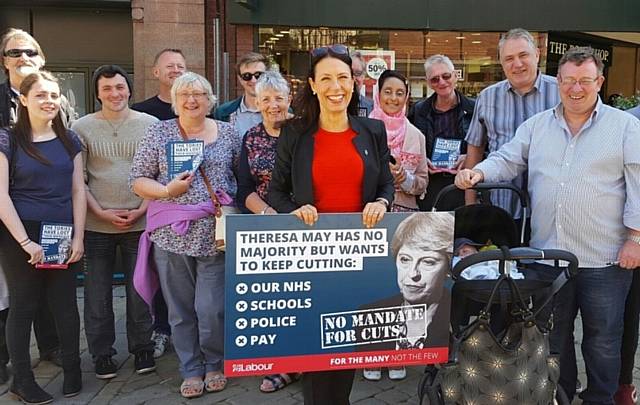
(161, 386)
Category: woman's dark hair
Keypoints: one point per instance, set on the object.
(306, 106)
(387, 74)
(22, 132)
(110, 71)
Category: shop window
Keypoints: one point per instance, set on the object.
(474, 54)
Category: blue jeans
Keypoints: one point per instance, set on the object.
(599, 294)
(100, 254)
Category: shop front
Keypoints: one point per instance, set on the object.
(469, 37)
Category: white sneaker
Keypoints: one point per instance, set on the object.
(397, 373)
(372, 374)
(160, 341)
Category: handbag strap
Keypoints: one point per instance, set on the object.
(212, 194)
(516, 296)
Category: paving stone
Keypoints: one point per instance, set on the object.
(392, 396)
(369, 401)
(108, 392)
(143, 395)
(364, 390)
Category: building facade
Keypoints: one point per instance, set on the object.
(77, 36)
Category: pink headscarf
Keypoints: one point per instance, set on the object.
(396, 125)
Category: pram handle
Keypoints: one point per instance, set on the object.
(519, 253)
(524, 200)
(557, 255)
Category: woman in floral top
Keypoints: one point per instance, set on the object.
(257, 158)
(181, 225)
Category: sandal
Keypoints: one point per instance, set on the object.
(276, 382)
(215, 383)
(192, 388)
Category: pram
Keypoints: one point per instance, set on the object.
(511, 364)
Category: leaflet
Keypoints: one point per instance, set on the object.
(55, 239)
(445, 153)
(184, 156)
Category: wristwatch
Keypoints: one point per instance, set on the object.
(634, 238)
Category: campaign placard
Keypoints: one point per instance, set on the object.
(336, 295)
(55, 239)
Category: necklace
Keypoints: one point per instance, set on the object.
(116, 128)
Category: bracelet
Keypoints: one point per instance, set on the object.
(634, 238)
(264, 210)
(166, 189)
(22, 242)
(383, 201)
(25, 242)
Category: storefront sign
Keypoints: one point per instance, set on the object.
(375, 67)
(334, 296)
(559, 45)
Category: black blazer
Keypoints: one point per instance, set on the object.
(291, 183)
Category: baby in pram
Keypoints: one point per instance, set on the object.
(464, 247)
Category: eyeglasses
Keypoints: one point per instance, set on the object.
(16, 53)
(436, 79)
(196, 95)
(583, 82)
(335, 49)
(358, 73)
(247, 76)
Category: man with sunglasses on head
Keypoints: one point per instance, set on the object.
(243, 112)
(168, 65)
(503, 106)
(365, 104)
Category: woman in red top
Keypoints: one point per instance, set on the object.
(331, 160)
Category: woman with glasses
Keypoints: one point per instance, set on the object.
(257, 158)
(443, 118)
(181, 226)
(330, 160)
(41, 180)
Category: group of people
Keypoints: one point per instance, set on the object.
(107, 174)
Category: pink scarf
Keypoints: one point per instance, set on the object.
(396, 125)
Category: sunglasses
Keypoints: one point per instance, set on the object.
(436, 79)
(247, 76)
(336, 50)
(16, 53)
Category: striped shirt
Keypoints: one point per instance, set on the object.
(498, 113)
(585, 189)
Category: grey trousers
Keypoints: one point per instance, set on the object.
(194, 290)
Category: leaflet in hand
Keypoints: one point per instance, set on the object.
(55, 239)
(445, 153)
(183, 156)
